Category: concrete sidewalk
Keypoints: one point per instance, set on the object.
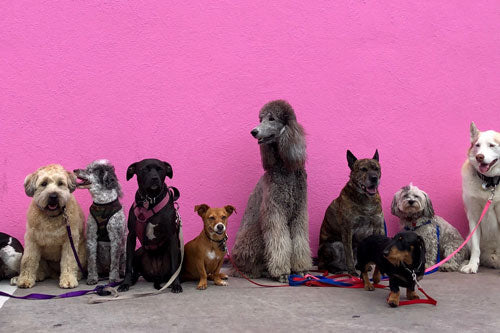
(466, 303)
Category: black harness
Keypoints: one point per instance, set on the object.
(221, 243)
(488, 181)
(101, 214)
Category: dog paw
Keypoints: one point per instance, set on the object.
(282, 278)
(92, 280)
(114, 277)
(68, 281)
(369, 287)
(123, 287)
(469, 268)
(176, 289)
(449, 267)
(353, 273)
(23, 282)
(13, 281)
(221, 283)
(223, 276)
(411, 295)
(393, 300)
(202, 286)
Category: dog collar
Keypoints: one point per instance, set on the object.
(221, 243)
(151, 201)
(143, 213)
(415, 227)
(488, 181)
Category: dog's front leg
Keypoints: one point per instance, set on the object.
(277, 243)
(393, 299)
(175, 260)
(349, 256)
(219, 277)
(92, 277)
(411, 294)
(130, 250)
(69, 267)
(473, 218)
(200, 267)
(29, 264)
(115, 232)
(301, 260)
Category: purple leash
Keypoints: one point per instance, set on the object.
(102, 290)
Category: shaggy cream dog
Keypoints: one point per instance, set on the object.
(47, 247)
(481, 176)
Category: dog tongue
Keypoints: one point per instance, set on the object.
(371, 190)
(52, 206)
(484, 167)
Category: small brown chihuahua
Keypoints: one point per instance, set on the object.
(204, 255)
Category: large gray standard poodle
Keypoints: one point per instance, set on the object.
(273, 238)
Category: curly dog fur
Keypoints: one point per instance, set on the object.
(105, 236)
(273, 238)
(47, 249)
(416, 213)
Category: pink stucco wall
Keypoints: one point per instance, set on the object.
(184, 82)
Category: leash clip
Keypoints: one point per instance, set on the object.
(492, 195)
(414, 276)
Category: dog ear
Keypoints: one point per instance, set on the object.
(30, 184)
(394, 205)
(429, 209)
(131, 171)
(474, 132)
(201, 209)
(71, 181)
(421, 243)
(168, 169)
(351, 159)
(230, 209)
(375, 156)
(109, 180)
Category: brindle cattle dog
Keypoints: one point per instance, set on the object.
(353, 216)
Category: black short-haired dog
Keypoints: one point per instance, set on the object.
(153, 220)
(402, 258)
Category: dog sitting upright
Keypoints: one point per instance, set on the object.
(204, 255)
(416, 213)
(153, 220)
(353, 216)
(105, 223)
(400, 258)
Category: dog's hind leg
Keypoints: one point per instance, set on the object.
(301, 252)
(473, 214)
(92, 276)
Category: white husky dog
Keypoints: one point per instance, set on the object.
(480, 177)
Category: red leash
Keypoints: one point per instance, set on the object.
(346, 281)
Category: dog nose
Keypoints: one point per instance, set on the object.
(53, 196)
(411, 202)
(254, 132)
(373, 179)
(220, 227)
(480, 158)
(386, 252)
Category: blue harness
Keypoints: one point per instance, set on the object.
(438, 257)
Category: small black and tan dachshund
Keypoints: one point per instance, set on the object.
(401, 258)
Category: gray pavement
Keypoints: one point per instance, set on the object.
(466, 303)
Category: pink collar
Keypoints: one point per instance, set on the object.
(143, 214)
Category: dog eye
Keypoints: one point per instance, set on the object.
(492, 145)
(60, 184)
(271, 119)
(44, 184)
(223, 217)
(477, 145)
(364, 169)
(211, 218)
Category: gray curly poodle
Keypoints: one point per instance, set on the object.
(273, 238)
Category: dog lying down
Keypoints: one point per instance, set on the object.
(399, 258)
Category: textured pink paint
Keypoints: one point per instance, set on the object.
(184, 82)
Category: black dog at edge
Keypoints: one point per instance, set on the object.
(153, 219)
(398, 258)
